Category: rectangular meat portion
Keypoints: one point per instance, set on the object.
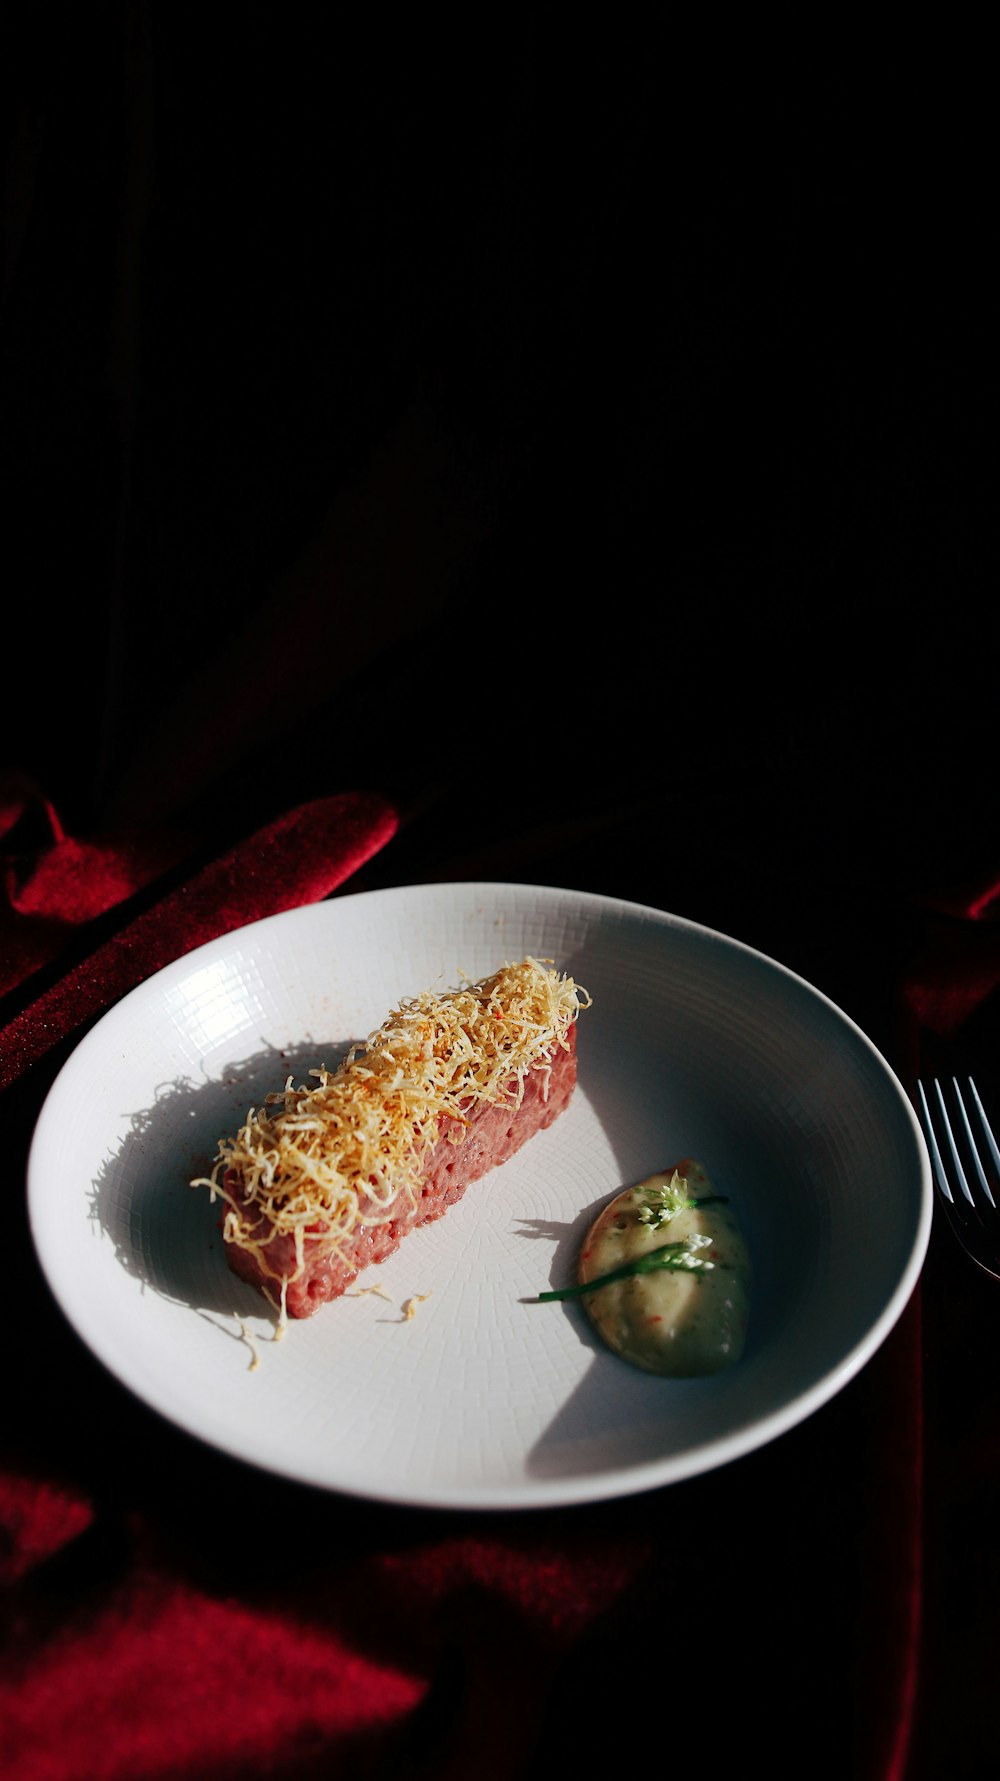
(495, 1132)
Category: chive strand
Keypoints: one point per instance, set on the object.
(669, 1255)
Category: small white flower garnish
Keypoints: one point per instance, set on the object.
(689, 1257)
(663, 1203)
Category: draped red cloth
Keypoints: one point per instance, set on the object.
(153, 1630)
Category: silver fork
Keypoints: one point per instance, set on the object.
(966, 1164)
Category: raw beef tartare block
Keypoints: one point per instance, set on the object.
(329, 1176)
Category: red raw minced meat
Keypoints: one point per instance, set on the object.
(494, 1134)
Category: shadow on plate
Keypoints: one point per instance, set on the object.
(617, 1416)
(166, 1232)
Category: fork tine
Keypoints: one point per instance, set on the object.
(988, 1129)
(980, 1171)
(949, 1134)
(940, 1173)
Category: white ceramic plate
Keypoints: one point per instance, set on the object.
(695, 1045)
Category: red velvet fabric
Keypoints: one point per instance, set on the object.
(156, 1630)
(299, 857)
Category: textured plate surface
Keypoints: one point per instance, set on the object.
(695, 1045)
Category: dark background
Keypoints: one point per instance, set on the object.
(535, 425)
